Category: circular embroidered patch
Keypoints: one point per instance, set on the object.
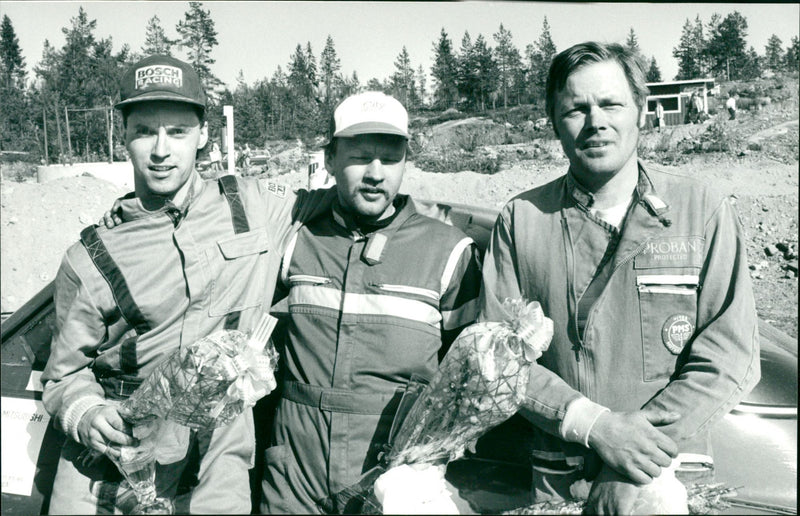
(676, 332)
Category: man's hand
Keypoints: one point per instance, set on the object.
(111, 218)
(104, 430)
(611, 493)
(629, 443)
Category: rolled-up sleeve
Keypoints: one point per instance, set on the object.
(723, 364)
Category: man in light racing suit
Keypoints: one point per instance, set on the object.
(376, 293)
(189, 257)
(644, 274)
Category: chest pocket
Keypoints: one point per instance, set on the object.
(668, 308)
(237, 264)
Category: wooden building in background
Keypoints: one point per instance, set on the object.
(674, 96)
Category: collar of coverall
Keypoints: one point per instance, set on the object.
(403, 209)
(131, 207)
(644, 191)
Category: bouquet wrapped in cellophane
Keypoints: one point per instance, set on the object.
(209, 382)
(204, 385)
(480, 383)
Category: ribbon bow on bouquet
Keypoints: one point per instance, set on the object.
(525, 333)
(252, 374)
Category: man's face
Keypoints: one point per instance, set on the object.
(162, 139)
(368, 170)
(597, 120)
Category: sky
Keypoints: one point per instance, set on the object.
(257, 37)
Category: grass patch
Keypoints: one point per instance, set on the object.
(18, 171)
(457, 161)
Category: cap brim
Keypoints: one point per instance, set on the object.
(370, 128)
(159, 95)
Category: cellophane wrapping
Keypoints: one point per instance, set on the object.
(206, 384)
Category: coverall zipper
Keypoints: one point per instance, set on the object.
(571, 298)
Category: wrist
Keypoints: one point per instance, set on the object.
(75, 415)
(580, 418)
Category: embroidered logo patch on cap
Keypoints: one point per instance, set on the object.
(370, 112)
(162, 78)
(158, 75)
(676, 332)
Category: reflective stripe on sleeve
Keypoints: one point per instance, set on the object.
(364, 304)
(464, 314)
(450, 268)
(287, 259)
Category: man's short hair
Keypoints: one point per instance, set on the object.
(569, 60)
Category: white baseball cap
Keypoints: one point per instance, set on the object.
(369, 113)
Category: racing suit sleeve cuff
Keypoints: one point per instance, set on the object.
(75, 412)
(581, 415)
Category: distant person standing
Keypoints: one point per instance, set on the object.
(699, 108)
(216, 158)
(659, 116)
(730, 104)
(246, 155)
(691, 109)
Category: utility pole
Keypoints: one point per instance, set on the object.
(110, 118)
(44, 123)
(69, 139)
(60, 140)
(227, 111)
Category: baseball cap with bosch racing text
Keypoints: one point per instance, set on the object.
(159, 77)
(370, 112)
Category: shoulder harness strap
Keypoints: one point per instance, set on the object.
(231, 190)
(122, 295)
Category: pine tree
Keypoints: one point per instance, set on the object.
(726, 47)
(329, 68)
(247, 113)
(632, 43)
(488, 73)
(46, 91)
(12, 64)
(508, 61)
(467, 77)
(751, 65)
(792, 59)
(347, 86)
(773, 54)
(402, 80)
(422, 80)
(156, 40)
(699, 45)
(539, 58)
(653, 72)
(199, 37)
(13, 115)
(298, 79)
(311, 66)
(690, 51)
(75, 72)
(444, 72)
(376, 85)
